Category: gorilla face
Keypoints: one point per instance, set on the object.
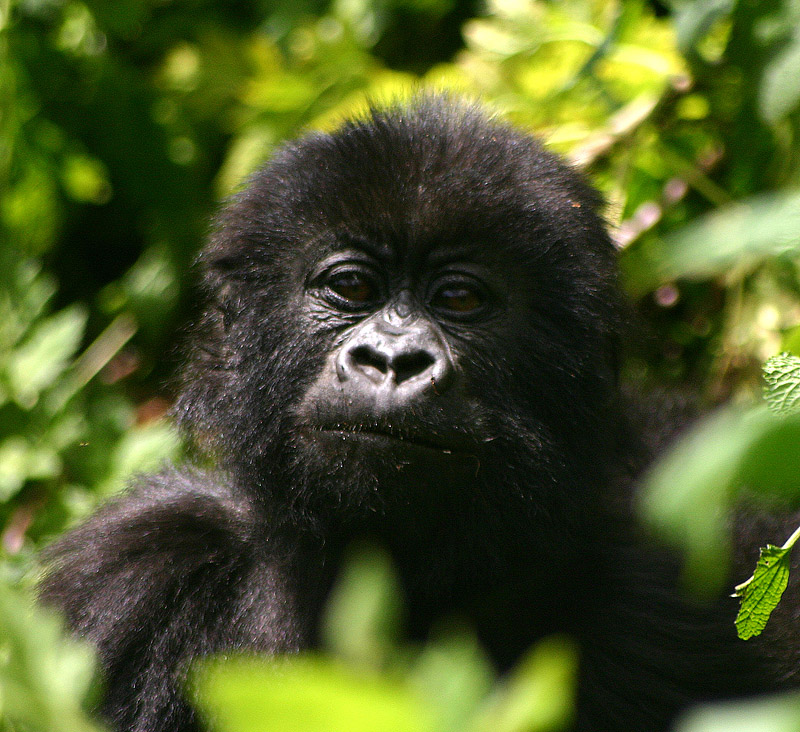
(421, 303)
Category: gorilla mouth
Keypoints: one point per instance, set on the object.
(388, 434)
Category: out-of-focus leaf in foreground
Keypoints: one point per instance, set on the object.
(44, 677)
(774, 714)
(303, 694)
(539, 695)
(740, 234)
(688, 493)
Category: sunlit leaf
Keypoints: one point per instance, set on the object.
(779, 93)
(761, 593)
(695, 18)
(45, 677)
(455, 674)
(782, 383)
(45, 353)
(539, 695)
(363, 616)
(303, 694)
(741, 234)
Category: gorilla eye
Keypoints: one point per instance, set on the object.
(352, 286)
(459, 298)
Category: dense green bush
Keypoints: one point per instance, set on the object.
(121, 126)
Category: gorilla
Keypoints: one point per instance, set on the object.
(412, 336)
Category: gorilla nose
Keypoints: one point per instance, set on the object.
(399, 367)
(404, 366)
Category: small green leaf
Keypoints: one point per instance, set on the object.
(539, 696)
(363, 617)
(782, 388)
(762, 592)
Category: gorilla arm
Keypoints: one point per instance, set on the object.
(159, 576)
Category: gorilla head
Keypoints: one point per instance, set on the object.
(417, 310)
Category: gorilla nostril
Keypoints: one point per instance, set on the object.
(370, 362)
(408, 365)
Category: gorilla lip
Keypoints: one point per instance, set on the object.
(439, 443)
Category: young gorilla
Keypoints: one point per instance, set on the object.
(411, 336)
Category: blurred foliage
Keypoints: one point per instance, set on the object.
(122, 124)
(446, 686)
(44, 677)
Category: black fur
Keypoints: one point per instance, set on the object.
(502, 488)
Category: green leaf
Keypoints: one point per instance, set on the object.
(44, 676)
(782, 387)
(687, 494)
(303, 694)
(539, 696)
(741, 234)
(780, 713)
(362, 619)
(695, 19)
(454, 673)
(779, 93)
(44, 356)
(762, 592)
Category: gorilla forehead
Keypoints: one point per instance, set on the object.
(431, 174)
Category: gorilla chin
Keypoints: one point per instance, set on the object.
(412, 334)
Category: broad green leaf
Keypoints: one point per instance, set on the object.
(741, 234)
(685, 495)
(455, 674)
(21, 461)
(779, 713)
(782, 388)
(695, 18)
(770, 462)
(761, 594)
(779, 93)
(688, 492)
(140, 449)
(303, 694)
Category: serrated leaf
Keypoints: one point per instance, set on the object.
(782, 388)
(761, 594)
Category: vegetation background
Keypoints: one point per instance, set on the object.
(124, 124)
